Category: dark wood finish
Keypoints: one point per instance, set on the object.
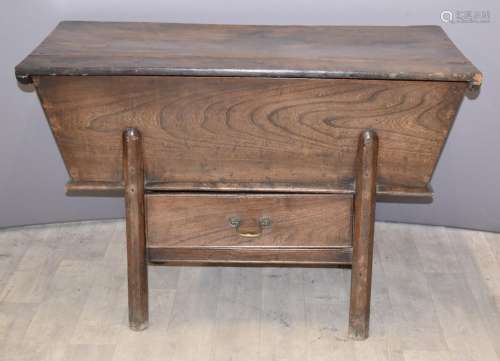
(250, 130)
(243, 142)
(366, 52)
(97, 187)
(252, 256)
(403, 192)
(267, 187)
(136, 242)
(196, 220)
(364, 224)
(384, 192)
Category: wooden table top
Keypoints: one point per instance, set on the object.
(361, 52)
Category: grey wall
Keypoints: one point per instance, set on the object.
(32, 175)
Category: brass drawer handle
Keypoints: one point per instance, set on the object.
(252, 231)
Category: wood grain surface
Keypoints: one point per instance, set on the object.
(365, 52)
(137, 269)
(364, 228)
(267, 257)
(249, 130)
(202, 220)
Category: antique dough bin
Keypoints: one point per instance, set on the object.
(249, 144)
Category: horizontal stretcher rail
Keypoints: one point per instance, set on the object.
(231, 255)
(384, 192)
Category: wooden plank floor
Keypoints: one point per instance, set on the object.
(436, 296)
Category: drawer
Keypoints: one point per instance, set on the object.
(199, 220)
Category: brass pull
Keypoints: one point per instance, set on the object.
(250, 232)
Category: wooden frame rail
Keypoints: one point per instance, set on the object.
(383, 192)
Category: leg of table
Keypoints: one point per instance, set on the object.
(133, 172)
(364, 222)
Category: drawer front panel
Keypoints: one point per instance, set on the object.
(235, 220)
